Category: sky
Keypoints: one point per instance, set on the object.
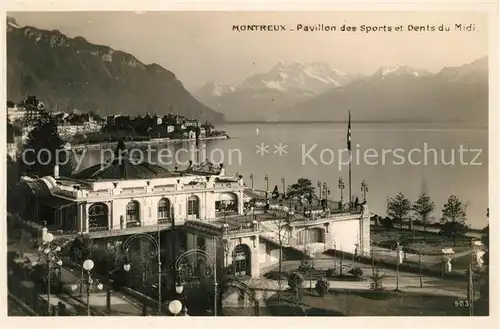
(202, 47)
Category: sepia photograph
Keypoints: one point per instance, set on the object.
(248, 163)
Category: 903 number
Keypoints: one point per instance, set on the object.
(461, 303)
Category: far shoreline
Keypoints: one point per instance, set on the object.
(155, 141)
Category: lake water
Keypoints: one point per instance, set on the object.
(391, 158)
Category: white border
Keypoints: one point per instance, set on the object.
(491, 7)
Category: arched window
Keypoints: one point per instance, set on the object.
(164, 209)
(98, 217)
(242, 260)
(193, 206)
(133, 214)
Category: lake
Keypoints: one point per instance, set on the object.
(390, 157)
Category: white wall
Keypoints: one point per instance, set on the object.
(345, 234)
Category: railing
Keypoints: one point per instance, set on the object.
(100, 193)
(133, 190)
(164, 221)
(227, 185)
(98, 228)
(133, 224)
(164, 188)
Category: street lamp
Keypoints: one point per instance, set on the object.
(251, 179)
(319, 192)
(266, 178)
(88, 265)
(50, 252)
(175, 307)
(364, 189)
(326, 192)
(152, 254)
(283, 183)
(341, 187)
(185, 266)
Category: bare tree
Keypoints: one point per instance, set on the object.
(282, 230)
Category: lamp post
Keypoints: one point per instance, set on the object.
(326, 192)
(319, 191)
(152, 254)
(51, 258)
(364, 189)
(341, 187)
(251, 179)
(185, 266)
(88, 265)
(283, 183)
(399, 260)
(334, 256)
(266, 178)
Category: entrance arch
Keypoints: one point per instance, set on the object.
(242, 261)
(248, 305)
(98, 217)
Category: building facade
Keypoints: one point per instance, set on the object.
(115, 200)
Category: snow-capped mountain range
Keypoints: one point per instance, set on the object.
(309, 77)
(283, 85)
(314, 91)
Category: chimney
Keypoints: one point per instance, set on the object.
(56, 171)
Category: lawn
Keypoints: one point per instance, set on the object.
(366, 303)
(429, 243)
(459, 264)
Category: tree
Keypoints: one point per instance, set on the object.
(44, 136)
(79, 250)
(398, 208)
(302, 188)
(423, 207)
(276, 193)
(295, 283)
(453, 218)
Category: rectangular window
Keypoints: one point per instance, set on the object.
(193, 206)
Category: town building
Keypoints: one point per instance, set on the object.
(209, 209)
(16, 113)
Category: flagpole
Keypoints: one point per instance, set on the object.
(349, 135)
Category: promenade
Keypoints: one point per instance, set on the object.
(120, 303)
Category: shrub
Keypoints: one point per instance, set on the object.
(295, 281)
(322, 286)
(376, 282)
(330, 273)
(306, 265)
(356, 271)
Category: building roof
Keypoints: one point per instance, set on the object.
(37, 187)
(124, 168)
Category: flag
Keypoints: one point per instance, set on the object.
(349, 133)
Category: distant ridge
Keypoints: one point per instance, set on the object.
(71, 73)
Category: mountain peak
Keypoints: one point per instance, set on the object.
(386, 71)
(71, 73)
(11, 21)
